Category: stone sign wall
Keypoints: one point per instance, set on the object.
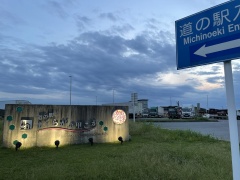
(42, 125)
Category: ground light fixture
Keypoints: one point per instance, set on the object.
(57, 142)
(91, 141)
(18, 145)
(120, 139)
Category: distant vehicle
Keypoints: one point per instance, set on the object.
(218, 113)
(160, 112)
(206, 116)
(188, 111)
(174, 113)
(145, 113)
(156, 112)
(153, 112)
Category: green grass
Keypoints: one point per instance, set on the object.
(153, 153)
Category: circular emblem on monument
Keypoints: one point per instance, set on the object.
(119, 116)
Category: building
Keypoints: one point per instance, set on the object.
(138, 108)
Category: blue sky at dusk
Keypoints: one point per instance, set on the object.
(108, 47)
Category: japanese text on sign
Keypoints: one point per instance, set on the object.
(207, 23)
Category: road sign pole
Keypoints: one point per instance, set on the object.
(200, 40)
(233, 127)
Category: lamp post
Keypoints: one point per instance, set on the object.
(113, 96)
(207, 103)
(70, 90)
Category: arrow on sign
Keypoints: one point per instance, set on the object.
(203, 51)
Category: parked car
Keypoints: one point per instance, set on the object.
(206, 116)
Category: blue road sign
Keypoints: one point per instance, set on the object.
(210, 36)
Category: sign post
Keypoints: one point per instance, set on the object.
(233, 126)
(212, 36)
(134, 99)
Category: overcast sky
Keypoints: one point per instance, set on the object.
(110, 48)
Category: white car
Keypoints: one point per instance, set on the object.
(206, 116)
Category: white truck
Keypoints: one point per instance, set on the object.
(156, 112)
(188, 111)
(145, 112)
(160, 111)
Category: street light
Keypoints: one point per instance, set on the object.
(113, 96)
(207, 101)
(70, 90)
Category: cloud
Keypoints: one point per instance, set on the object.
(110, 16)
(97, 64)
(121, 30)
(82, 22)
(118, 50)
(56, 8)
(93, 59)
(9, 19)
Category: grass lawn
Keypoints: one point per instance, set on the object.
(153, 153)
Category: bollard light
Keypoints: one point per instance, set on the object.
(91, 141)
(57, 142)
(130, 138)
(120, 139)
(18, 145)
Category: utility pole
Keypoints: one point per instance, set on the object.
(70, 97)
(207, 102)
(70, 90)
(113, 96)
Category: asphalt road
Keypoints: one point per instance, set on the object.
(219, 130)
